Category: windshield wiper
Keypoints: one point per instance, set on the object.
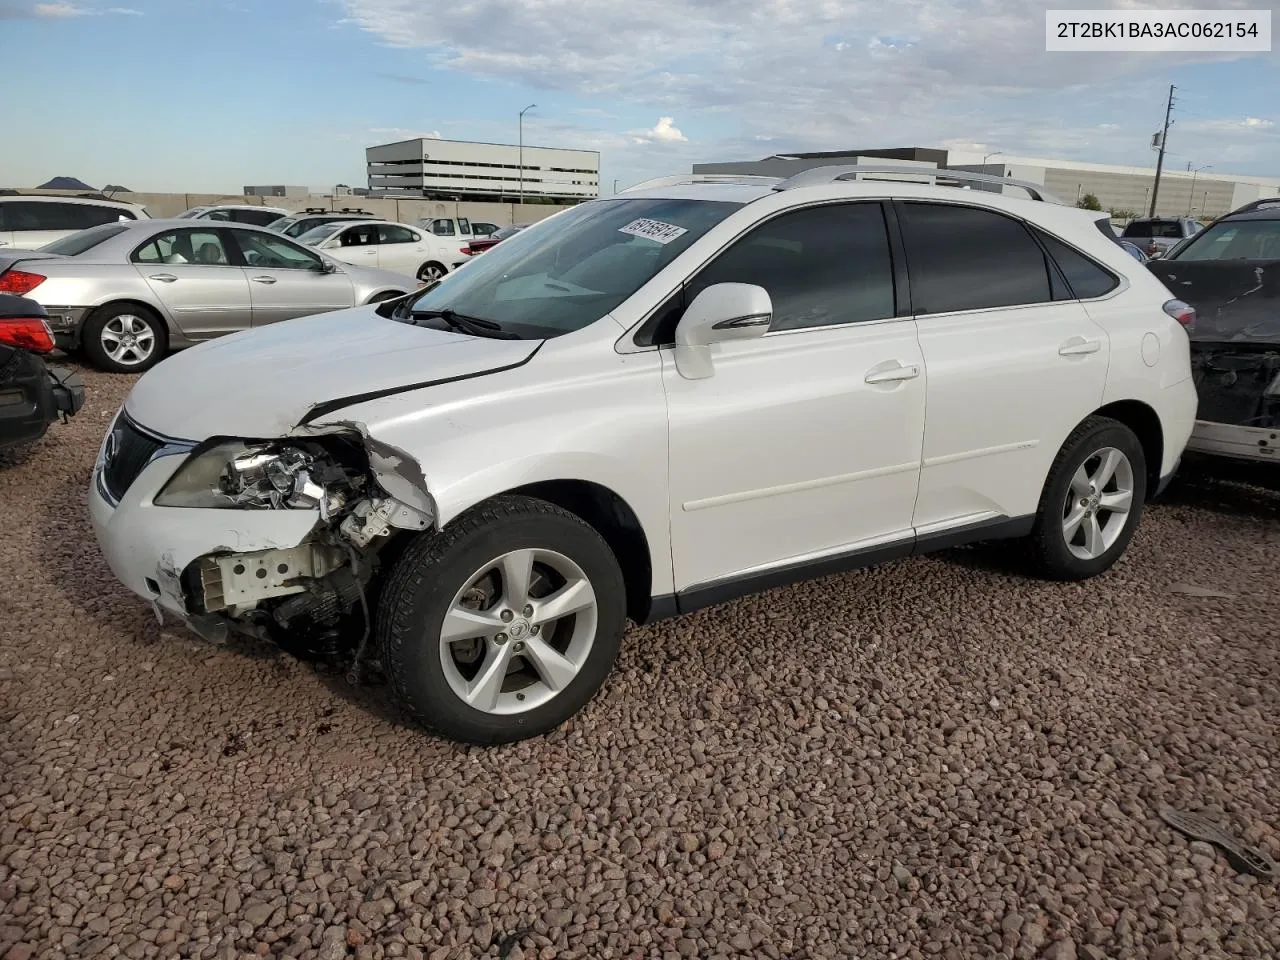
(475, 326)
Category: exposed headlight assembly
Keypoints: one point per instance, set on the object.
(263, 476)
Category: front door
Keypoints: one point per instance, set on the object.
(358, 244)
(286, 279)
(803, 447)
(1014, 363)
(192, 274)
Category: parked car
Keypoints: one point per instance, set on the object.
(454, 229)
(237, 213)
(299, 223)
(483, 229)
(641, 406)
(1230, 273)
(128, 293)
(1156, 235)
(481, 244)
(29, 221)
(33, 394)
(391, 246)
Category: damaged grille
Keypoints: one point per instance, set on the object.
(126, 451)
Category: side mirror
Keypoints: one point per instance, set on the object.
(721, 312)
(328, 266)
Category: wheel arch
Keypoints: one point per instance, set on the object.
(614, 519)
(171, 330)
(1145, 423)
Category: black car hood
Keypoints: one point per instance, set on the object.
(1236, 301)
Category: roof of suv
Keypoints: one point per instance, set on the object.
(88, 201)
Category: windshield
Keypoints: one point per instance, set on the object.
(77, 243)
(193, 212)
(279, 226)
(297, 228)
(316, 234)
(554, 280)
(1233, 240)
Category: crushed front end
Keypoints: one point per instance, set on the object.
(1239, 387)
(278, 539)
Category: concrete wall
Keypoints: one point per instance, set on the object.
(399, 210)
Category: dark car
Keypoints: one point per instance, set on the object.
(1230, 273)
(33, 394)
(1158, 235)
(481, 244)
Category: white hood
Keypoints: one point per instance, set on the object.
(260, 383)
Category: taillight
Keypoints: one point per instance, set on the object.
(1184, 313)
(27, 333)
(19, 282)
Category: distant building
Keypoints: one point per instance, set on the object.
(463, 170)
(278, 190)
(1204, 194)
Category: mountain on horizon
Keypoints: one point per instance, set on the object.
(65, 183)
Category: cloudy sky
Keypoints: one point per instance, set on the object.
(208, 95)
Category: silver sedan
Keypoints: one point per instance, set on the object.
(127, 293)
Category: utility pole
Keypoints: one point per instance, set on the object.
(1164, 136)
(522, 113)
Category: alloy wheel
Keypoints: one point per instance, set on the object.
(128, 339)
(519, 631)
(1098, 503)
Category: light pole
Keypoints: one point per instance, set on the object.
(615, 184)
(522, 113)
(1191, 193)
(988, 157)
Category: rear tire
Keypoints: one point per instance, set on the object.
(1091, 502)
(431, 271)
(503, 625)
(124, 338)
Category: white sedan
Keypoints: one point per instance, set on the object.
(389, 246)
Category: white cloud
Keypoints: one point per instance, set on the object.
(664, 131)
(57, 11)
(821, 74)
(403, 133)
(124, 11)
(1258, 123)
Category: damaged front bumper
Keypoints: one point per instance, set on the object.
(1238, 383)
(295, 571)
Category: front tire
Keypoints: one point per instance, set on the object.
(1091, 502)
(124, 338)
(504, 624)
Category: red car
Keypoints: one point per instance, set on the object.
(481, 244)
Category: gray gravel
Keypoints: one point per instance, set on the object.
(932, 759)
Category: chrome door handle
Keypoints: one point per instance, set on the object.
(900, 372)
(263, 279)
(164, 277)
(1079, 346)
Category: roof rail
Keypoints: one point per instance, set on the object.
(1257, 205)
(820, 175)
(688, 179)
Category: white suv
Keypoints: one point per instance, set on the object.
(641, 406)
(29, 221)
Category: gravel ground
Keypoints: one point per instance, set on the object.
(933, 758)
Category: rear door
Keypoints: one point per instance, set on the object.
(193, 274)
(401, 249)
(286, 280)
(1013, 362)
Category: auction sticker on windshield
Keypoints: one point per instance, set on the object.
(654, 230)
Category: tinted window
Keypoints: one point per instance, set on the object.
(1163, 229)
(226, 216)
(202, 247)
(358, 237)
(77, 243)
(28, 215)
(1139, 228)
(962, 258)
(272, 252)
(390, 233)
(1233, 240)
(1086, 278)
(442, 228)
(259, 218)
(299, 227)
(822, 265)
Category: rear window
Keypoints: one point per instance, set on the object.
(1233, 240)
(1161, 229)
(1086, 278)
(77, 243)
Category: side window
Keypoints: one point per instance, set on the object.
(390, 233)
(259, 218)
(1086, 278)
(464, 225)
(202, 247)
(359, 236)
(27, 215)
(821, 266)
(442, 228)
(274, 253)
(963, 258)
(226, 216)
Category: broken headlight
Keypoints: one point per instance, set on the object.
(263, 476)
